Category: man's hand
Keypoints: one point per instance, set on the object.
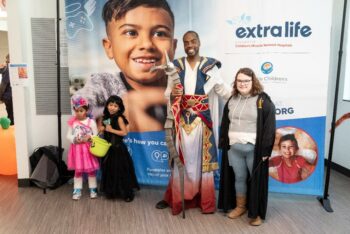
(177, 92)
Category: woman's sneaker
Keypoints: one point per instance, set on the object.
(93, 193)
(76, 194)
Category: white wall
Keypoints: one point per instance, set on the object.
(31, 130)
(3, 20)
(341, 147)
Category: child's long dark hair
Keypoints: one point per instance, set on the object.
(117, 100)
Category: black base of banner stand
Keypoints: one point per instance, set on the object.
(326, 203)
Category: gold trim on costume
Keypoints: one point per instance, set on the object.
(181, 64)
(206, 156)
(202, 63)
(197, 103)
(191, 102)
(189, 127)
(207, 167)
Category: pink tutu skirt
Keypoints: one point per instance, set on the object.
(80, 159)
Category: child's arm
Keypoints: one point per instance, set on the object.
(123, 130)
(70, 135)
(100, 127)
(93, 127)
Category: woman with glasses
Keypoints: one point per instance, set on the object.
(246, 138)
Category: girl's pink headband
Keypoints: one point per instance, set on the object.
(79, 102)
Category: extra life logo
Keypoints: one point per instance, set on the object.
(250, 33)
(288, 29)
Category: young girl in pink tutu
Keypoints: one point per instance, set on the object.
(80, 130)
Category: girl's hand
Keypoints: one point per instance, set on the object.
(109, 128)
(101, 128)
(77, 140)
(86, 138)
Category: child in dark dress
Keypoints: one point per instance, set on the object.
(118, 174)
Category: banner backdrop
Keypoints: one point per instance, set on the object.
(285, 42)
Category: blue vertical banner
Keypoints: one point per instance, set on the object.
(150, 156)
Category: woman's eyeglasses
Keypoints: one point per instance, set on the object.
(243, 81)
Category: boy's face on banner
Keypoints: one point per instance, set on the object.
(288, 149)
(138, 41)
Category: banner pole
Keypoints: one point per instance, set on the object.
(58, 78)
(325, 200)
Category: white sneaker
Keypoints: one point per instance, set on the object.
(93, 193)
(76, 194)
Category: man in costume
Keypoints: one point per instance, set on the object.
(196, 116)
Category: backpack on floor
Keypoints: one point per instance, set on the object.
(48, 168)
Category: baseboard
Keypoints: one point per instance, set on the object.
(24, 183)
(338, 168)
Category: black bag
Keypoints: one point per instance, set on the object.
(48, 168)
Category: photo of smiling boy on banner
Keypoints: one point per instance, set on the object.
(137, 36)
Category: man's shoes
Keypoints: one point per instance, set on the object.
(162, 205)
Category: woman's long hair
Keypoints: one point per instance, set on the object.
(257, 88)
